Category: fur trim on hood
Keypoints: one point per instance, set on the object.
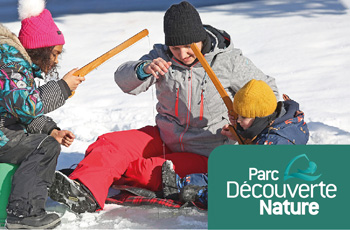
(9, 38)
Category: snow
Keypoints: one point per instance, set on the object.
(303, 44)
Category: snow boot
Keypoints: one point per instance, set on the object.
(194, 193)
(170, 181)
(73, 194)
(43, 221)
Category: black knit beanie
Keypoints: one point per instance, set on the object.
(183, 25)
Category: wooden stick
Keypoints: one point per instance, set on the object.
(225, 97)
(98, 61)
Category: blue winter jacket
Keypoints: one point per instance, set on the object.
(288, 129)
(19, 97)
(22, 103)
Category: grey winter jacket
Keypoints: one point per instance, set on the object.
(190, 110)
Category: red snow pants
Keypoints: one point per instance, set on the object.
(132, 157)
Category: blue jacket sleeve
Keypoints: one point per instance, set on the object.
(19, 97)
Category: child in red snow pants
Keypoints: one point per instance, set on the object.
(132, 157)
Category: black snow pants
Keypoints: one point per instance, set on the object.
(36, 155)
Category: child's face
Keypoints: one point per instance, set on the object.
(55, 53)
(57, 50)
(245, 122)
(184, 53)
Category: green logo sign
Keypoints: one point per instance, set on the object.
(279, 187)
(302, 174)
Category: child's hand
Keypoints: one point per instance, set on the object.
(73, 81)
(226, 132)
(64, 137)
(233, 121)
(157, 67)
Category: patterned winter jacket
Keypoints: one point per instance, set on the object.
(190, 110)
(288, 129)
(22, 104)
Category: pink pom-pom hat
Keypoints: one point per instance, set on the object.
(40, 31)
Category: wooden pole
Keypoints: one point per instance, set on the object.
(225, 97)
(98, 61)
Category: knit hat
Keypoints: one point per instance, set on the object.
(183, 25)
(255, 99)
(38, 28)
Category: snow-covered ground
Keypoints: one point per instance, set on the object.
(305, 45)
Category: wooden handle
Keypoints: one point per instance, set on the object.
(225, 97)
(98, 61)
(104, 57)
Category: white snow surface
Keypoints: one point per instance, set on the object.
(305, 45)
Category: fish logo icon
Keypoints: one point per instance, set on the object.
(306, 174)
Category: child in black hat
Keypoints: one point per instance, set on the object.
(190, 115)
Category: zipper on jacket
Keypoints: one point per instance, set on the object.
(189, 95)
(203, 86)
(201, 106)
(177, 102)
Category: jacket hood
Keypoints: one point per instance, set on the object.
(220, 38)
(287, 111)
(288, 127)
(9, 38)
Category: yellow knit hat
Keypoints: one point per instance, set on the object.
(255, 99)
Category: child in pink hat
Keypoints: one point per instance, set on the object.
(28, 138)
(39, 35)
